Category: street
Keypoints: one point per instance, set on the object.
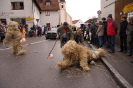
(34, 70)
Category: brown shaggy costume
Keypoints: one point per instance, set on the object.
(14, 35)
(74, 52)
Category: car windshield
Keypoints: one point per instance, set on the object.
(53, 29)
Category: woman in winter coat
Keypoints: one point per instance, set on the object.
(100, 33)
(129, 33)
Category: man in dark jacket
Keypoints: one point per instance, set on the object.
(65, 33)
(78, 37)
(122, 34)
(111, 32)
(105, 37)
(93, 32)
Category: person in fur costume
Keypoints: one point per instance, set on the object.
(14, 35)
(74, 52)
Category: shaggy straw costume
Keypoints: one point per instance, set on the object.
(73, 51)
(14, 35)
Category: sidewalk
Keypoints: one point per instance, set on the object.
(120, 65)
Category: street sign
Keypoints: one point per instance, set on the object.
(29, 19)
(99, 12)
(128, 8)
(37, 20)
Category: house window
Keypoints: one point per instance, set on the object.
(48, 3)
(3, 21)
(41, 1)
(62, 6)
(17, 5)
(47, 13)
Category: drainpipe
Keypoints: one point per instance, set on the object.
(32, 9)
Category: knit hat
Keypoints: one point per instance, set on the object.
(65, 24)
(110, 15)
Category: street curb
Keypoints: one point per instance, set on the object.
(115, 73)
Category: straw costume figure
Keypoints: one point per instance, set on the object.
(74, 52)
(14, 36)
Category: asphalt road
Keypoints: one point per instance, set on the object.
(34, 70)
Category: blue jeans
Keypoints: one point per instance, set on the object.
(112, 43)
(64, 40)
(131, 48)
(100, 38)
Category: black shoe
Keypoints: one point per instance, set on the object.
(111, 51)
(124, 51)
(131, 61)
(107, 46)
(129, 55)
(120, 51)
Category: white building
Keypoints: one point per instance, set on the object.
(54, 13)
(41, 12)
(108, 7)
(19, 10)
(77, 23)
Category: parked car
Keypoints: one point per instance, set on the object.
(51, 33)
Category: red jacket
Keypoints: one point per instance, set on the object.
(110, 28)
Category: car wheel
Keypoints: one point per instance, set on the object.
(47, 37)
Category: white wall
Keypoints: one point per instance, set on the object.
(69, 20)
(62, 14)
(53, 19)
(108, 7)
(27, 12)
(6, 7)
(78, 23)
(37, 14)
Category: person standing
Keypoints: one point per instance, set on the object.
(111, 32)
(78, 37)
(92, 30)
(23, 32)
(100, 33)
(26, 29)
(105, 37)
(65, 33)
(123, 35)
(129, 32)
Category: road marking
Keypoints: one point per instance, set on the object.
(25, 45)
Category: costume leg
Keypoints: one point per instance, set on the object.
(84, 63)
(66, 63)
(20, 49)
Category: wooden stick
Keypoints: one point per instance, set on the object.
(52, 48)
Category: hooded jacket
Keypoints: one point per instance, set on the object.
(111, 28)
(123, 26)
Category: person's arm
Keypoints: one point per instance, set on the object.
(82, 40)
(58, 32)
(71, 34)
(115, 25)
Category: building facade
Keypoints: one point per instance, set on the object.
(53, 12)
(108, 7)
(64, 16)
(77, 23)
(115, 8)
(19, 10)
(49, 12)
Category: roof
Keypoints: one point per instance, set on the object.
(62, 1)
(36, 3)
(53, 7)
(75, 21)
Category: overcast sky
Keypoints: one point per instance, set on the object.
(83, 9)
